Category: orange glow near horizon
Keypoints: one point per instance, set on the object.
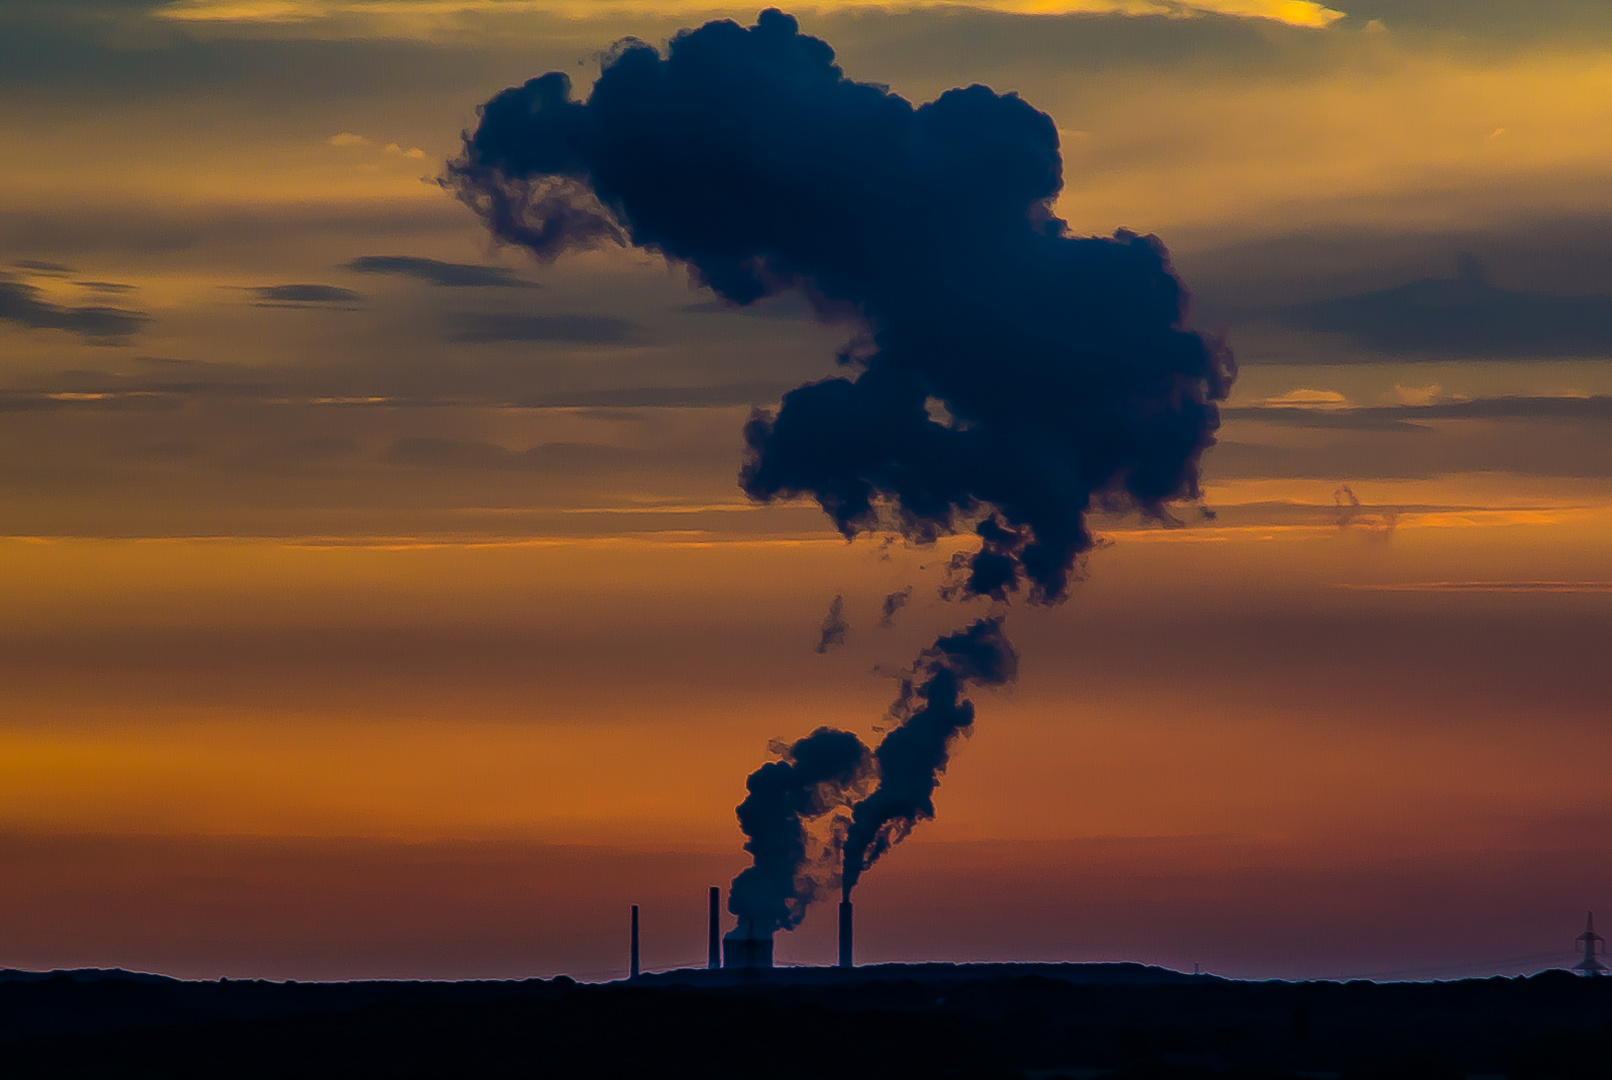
(618, 689)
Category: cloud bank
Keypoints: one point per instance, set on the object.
(24, 305)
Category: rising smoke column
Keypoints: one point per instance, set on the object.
(930, 714)
(1004, 377)
(1007, 376)
(812, 777)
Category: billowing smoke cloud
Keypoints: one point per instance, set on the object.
(1009, 377)
(834, 628)
(813, 777)
(930, 714)
(1004, 377)
(893, 603)
(829, 770)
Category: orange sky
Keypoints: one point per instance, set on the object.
(334, 642)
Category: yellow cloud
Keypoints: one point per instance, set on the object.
(1304, 398)
(1420, 395)
(1293, 12)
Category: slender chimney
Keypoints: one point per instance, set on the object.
(714, 951)
(634, 942)
(845, 934)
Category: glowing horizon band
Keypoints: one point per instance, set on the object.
(1303, 13)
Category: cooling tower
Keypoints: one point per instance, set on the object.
(746, 948)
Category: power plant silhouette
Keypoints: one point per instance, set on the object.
(746, 949)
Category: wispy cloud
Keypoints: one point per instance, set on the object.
(1304, 398)
(789, 306)
(487, 327)
(471, 454)
(1466, 316)
(1420, 395)
(1483, 587)
(305, 295)
(437, 272)
(43, 267)
(1420, 405)
(1292, 12)
(725, 395)
(24, 305)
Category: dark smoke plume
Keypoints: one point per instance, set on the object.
(1009, 376)
(893, 603)
(834, 626)
(813, 777)
(930, 714)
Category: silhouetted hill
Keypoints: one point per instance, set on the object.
(1107, 974)
(889, 1022)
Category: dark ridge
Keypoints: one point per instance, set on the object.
(930, 974)
(887, 1022)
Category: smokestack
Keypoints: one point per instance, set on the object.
(714, 952)
(747, 948)
(634, 974)
(845, 934)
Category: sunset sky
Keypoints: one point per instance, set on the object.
(377, 600)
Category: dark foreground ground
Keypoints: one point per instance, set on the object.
(889, 1022)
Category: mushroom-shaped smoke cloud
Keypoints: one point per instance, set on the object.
(1009, 375)
(1004, 376)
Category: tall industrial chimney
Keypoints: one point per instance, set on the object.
(845, 934)
(634, 974)
(714, 957)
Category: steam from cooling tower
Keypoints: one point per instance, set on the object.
(830, 771)
(1007, 376)
(813, 777)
